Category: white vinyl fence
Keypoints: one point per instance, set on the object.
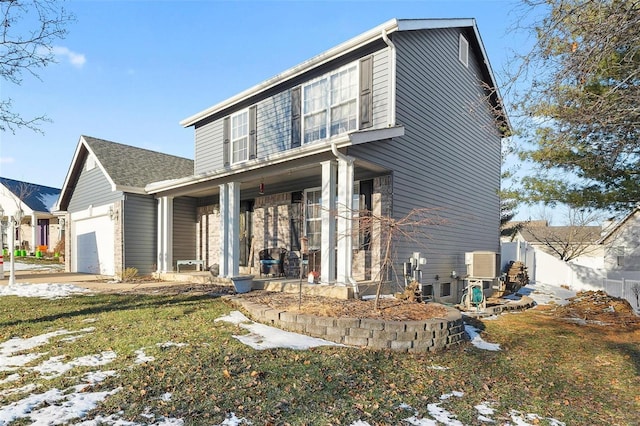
(584, 274)
(625, 289)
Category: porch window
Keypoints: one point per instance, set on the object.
(329, 106)
(313, 220)
(240, 137)
(313, 208)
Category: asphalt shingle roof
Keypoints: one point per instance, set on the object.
(137, 167)
(39, 198)
(561, 234)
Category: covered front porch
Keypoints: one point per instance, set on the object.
(314, 203)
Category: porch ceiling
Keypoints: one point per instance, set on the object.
(276, 175)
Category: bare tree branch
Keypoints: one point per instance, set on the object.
(27, 32)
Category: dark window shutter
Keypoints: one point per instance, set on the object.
(225, 140)
(253, 140)
(366, 92)
(296, 116)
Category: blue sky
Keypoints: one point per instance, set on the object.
(130, 71)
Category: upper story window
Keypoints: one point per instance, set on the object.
(463, 51)
(240, 137)
(330, 104)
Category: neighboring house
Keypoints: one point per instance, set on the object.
(111, 219)
(558, 255)
(609, 261)
(564, 242)
(39, 226)
(621, 242)
(402, 117)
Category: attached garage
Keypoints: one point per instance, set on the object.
(94, 244)
(111, 221)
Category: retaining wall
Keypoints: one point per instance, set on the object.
(407, 336)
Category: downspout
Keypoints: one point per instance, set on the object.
(350, 160)
(392, 79)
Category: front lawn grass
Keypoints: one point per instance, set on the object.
(578, 375)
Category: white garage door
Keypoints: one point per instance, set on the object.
(94, 245)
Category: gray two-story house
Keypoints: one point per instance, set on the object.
(322, 158)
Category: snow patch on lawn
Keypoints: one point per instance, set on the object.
(264, 337)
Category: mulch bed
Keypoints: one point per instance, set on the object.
(390, 309)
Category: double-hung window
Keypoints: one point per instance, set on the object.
(240, 137)
(313, 217)
(344, 92)
(330, 104)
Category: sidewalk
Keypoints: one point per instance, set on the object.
(92, 282)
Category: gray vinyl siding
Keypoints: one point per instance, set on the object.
(274, 121)
(381, 89)
(274, 124)
(140, 228)
(184, 229)
(92, 189)
(208, 149)
(449, 158)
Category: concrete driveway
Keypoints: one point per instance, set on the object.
(92, 282)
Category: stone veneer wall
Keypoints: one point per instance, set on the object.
(272, 219)
(118, 239)
(406, 336)
(208, 234)
(271, 223)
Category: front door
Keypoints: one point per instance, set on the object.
(42, 233)
(246, 215)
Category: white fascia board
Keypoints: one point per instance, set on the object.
(333, 53)
(65, 185)
(613, 229)
(434, 24)
(130, 189)
(376, 135)
(275, 159)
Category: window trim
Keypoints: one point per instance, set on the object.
(246, 136)
(328, 106)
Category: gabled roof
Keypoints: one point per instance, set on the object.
(127, 168)
(614, 229)
(374, 35)
(38, 198)
(561, 234)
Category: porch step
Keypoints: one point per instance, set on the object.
(188, 277)
(294, 286)
(268, 284)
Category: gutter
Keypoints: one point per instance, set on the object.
(392, 78)
(335, 52)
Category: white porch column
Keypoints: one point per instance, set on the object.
(34, 233)
(327, 215)
(224, 230)
(229, 229)
(344, 257)
(233, 260)
(165, 234)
